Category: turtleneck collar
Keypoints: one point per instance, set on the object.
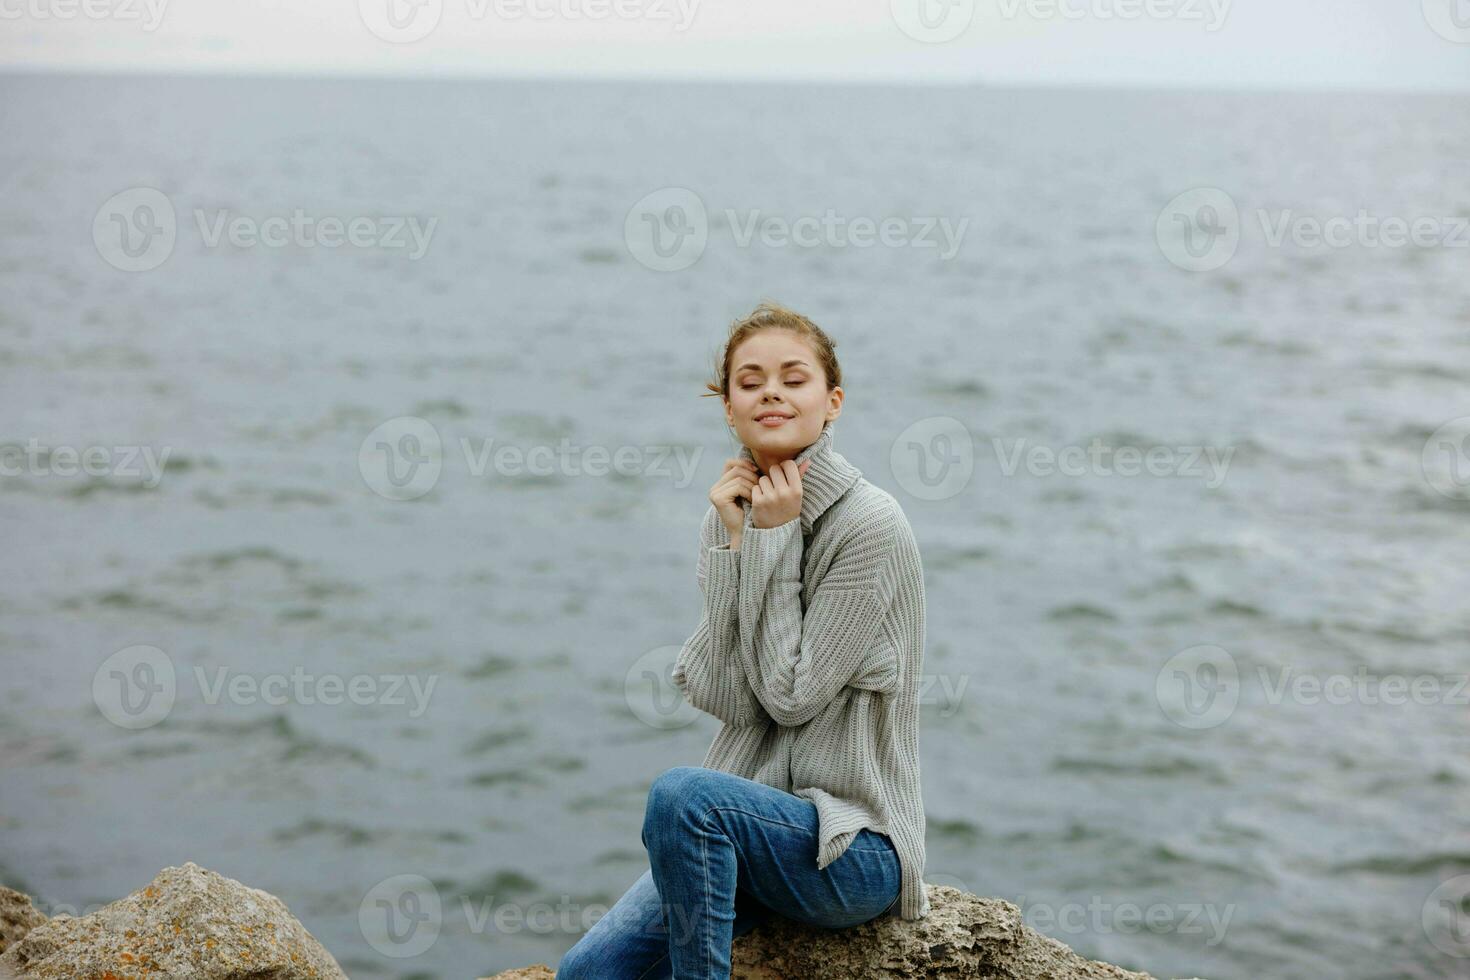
(827, 479)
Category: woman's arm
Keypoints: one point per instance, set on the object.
(708, 669)
(797, 662)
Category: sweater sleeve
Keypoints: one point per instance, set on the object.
(707, 670)
(798, 660)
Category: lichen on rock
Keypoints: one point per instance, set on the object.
(964, 937)
(189, 923)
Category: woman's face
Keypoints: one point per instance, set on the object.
(775, 374)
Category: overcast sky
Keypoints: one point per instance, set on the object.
(1314, 44)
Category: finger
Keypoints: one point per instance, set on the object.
(734, 485)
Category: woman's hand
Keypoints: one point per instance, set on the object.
(735, 482)
(776, 497)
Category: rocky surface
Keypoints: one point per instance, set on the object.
(193, 924)
(17, 917)
(188, 924)
(964, 936)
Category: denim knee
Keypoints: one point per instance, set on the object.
(671, 791)
(576, 964)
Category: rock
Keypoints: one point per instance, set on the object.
(538, 972)
(964, 936)
(188, 924)
(17, 917)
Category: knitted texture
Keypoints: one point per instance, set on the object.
(809, 650)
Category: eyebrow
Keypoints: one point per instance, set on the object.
(784, 365)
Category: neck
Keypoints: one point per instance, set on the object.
(825, 480)
(766, 463)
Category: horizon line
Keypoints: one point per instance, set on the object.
(895, 81)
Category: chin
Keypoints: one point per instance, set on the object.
(786, 438)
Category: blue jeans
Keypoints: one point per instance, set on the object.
(724, 854)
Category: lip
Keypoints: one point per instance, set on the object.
(773, 420)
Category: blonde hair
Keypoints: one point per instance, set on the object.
(770, 315)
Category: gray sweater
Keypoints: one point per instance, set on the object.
(809, 650)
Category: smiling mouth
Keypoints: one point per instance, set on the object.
(773, 420)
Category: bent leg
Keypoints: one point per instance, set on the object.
(631, 942)
(711, 835)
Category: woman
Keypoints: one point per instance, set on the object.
(808, 803)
